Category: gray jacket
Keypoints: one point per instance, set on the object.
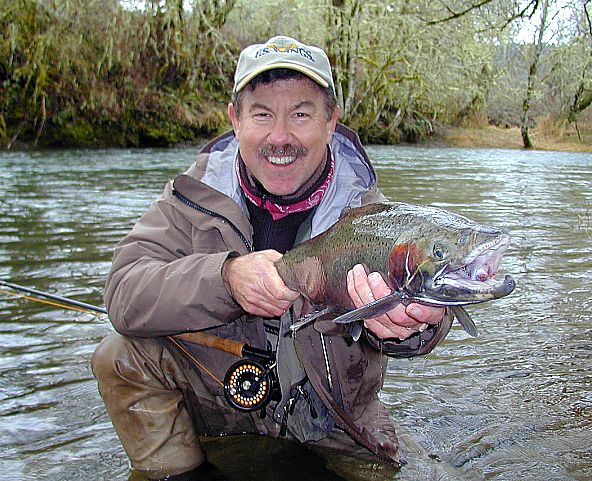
(166, 279)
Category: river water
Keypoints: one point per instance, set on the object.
(514, 403)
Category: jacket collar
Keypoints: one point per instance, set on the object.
(354, 175)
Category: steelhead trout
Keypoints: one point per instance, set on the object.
(425, 254)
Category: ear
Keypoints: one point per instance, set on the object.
(332, 124)
(233, 118)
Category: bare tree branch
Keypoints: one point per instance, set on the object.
(587, 13)
(452, 14)
(527, 12)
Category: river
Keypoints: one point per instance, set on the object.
(514, 403)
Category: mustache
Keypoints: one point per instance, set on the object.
(286, 150)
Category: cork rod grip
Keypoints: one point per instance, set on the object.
(203, 339)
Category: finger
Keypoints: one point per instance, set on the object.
(255, 299)
(273, 282)
(365, 288)
(378, 286)
(368, 288)
(264, 308)
(399, 322)
(351, 289)
(396, 321)
(379, 289)
(425, 314)
(289, 295)
(276, 289)
(264, 287)
(398, 315)
(361, 285)
(271, 255)
(388, 330)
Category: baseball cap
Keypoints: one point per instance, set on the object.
(283, 52)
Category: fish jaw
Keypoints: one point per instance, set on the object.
(474, 280)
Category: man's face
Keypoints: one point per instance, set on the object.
(283, 132)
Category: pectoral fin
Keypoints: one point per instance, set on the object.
(355, 329)
(464, 320)
(373, 309)
(303, 321)
(329, 328)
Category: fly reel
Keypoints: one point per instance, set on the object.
(248, 385)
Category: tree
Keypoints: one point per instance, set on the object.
(159, 72)
(532, 79)
(582, 98)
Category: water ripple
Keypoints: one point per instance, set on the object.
(514, 403)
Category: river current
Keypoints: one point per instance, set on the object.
(514, 403)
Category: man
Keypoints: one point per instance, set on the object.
(202, 259)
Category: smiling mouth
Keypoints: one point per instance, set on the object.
(284, 155)
(281, 160)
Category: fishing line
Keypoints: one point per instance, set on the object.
(194, 359)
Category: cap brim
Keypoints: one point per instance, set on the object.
(299, 68)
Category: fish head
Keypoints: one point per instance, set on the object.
(470, 276)
(447, 259)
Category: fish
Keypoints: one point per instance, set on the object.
(425, 254)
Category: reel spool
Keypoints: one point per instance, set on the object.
(247, 385)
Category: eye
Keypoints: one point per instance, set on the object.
(440, 252)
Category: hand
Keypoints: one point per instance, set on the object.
(256, 285)
(401, 321)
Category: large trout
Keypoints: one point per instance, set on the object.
(425, 254)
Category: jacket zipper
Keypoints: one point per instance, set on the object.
(211, 213)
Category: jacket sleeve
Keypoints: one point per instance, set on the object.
(417, 345)
(160, 283)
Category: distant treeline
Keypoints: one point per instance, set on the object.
(159, 72)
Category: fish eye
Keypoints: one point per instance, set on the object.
(440, 252)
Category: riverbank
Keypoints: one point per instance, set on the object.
(509, 138)
(488, 136)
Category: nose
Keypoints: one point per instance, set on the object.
(280, 132)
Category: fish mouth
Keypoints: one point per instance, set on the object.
(474, 281)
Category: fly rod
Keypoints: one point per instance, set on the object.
(237, 348)
(54, 297)
(249, 384)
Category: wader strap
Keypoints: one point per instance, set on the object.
(305, 228)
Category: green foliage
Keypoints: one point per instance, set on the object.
(108, 72)
(74, 73)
